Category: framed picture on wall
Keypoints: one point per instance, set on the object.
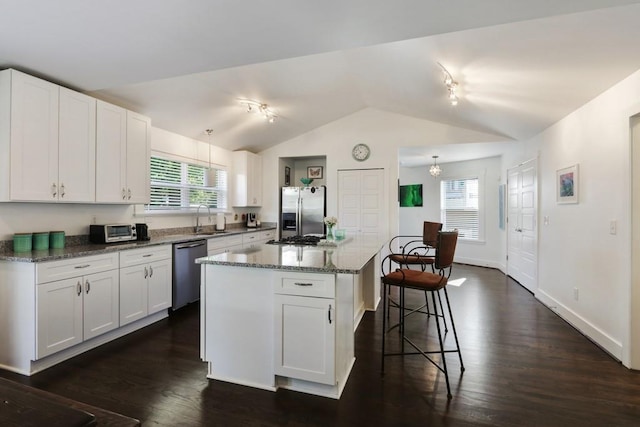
(567, 184)
(411, 196)
(314, 172)
(287, 176)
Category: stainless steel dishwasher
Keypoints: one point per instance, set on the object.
(186, 273)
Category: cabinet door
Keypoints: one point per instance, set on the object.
(101, 303)
(59, 316)
(138, 140)
(255, 183)
(77, 147)
(305, 338)
(159, 283)
(34, 138)
(111, 153)
(133, 293)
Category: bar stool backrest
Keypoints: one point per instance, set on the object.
(446, 249)
(430, 232)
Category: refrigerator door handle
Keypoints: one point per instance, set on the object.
(299, 221)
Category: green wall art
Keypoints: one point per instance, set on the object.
(411, 195)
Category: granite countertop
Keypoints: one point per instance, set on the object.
(96, 249)
(349, 256)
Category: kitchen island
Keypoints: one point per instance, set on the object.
(285, 316)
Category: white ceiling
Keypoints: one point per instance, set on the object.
(522, 65)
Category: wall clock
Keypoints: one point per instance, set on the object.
(361, 152)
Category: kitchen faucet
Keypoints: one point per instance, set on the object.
(198, 227)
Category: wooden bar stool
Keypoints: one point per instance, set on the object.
(429, 282)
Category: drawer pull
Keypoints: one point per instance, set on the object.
(82, 266)
(303, 284)
(147, 255)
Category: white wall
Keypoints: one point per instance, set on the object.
(383, 132)
(576, 249)
(489, 251)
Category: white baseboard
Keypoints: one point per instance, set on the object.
(599, 337)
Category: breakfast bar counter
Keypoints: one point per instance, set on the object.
(284, 316)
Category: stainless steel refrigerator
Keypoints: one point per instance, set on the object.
(302, 211)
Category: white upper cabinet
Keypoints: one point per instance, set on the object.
(77, 147)
(138, 151)
(47, 142)
(29, 141)
(122, 166)
(247, 179)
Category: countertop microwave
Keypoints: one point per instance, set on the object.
(112, 233)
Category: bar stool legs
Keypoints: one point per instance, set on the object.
(442, 366)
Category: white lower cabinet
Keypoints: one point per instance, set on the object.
(305, 327)
(145, 282)
(218, 245)
(255, 238)
(77, 308)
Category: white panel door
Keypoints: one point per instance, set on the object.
(77, 147)
(101, 303)
(159, 291)
(34, 138)
(305, 338)
(362, 202)
(59, 316)
(111, 153)
(522, 235)
(138, 140)
(133, 293)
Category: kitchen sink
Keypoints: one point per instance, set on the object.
(213, 233)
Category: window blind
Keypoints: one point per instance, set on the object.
(177, 186)
(459, 207)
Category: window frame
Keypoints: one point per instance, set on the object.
(185, 187)
(481, 205)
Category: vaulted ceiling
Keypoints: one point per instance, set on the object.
(522, 65)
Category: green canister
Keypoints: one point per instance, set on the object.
(22, 242)
(41, 241)
(56, 239)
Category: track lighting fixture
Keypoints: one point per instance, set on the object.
(452, 85)
(259, 108)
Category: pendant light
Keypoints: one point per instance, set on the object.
(210, 174)
(435, 170)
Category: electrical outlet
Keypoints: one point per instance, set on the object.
(94, 220)
(546, 220)
(613, 227)
(576, 294)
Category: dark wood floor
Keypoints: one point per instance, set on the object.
(524, 367)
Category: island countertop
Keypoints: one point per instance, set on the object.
(349, 256)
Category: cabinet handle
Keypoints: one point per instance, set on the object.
(147, 255)
(129, 194)
(62, 192)
(82, 266)
(329, 313)
(88, 286)
(146, 272)
(124, 194)
(79, 288)
(303, 284)
(54, 189)
(150, 271)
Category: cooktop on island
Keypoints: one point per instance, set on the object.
(308, 240)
